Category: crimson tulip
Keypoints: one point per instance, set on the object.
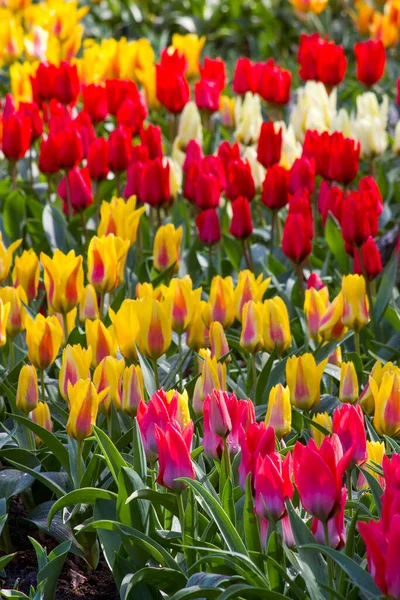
(207, 191)
(119, 149)
(257, 441)
(348, 424)
(302, 175)
(44, 82)
(194, 153)
(273, 485)
(95, 102)
(173, 448)
(117, 90)
(208, 226)
(97, 159)
(336, 526)
(132, 113)
(67, 83)
(158, 411)
(206, 95)
(31, 109)
(214, 70)
(48, 163)
(275, 188)
(269, 147)
(240, 180)
(243, 77)
(371, 60)
(228, 153)
(172, 89)
(274, 83)
(241, 226)
(151, 138)
(153, 183)
(17, 132)
(321, 60)
(80, 186)
(330, 200)
(296, 242)
(371, 258)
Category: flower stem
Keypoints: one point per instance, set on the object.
(156, 374)
(80, 448)
(357, 342)
(329, 560)
(227, 459)
(42, 386)
(12, 353)
(181, 511)
(65, 327)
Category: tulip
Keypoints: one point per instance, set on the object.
(218, 341)
(355, 219)
(387, 403)
(26, 273)
(17, 315)
(243, 76)
(119, 149)
(208, 227)
(325, 421)
(117, 91)
(75, 365)
(214, 70)
(335, 526)
(197, 333)
(68, 146)
(228, 153)
(241, 226)
(126, 328)
(106, 262)
(300, 205)
(120, 218)
(279, 411)
(154, 187)
(151, 138)
(377, 373)
(95, 102)
(63, 280)
(166, 248)
(276, 325)
(248, 288)
(44, 336)
(80, 194)
(6, 256)
(375, 454)
(304, 380)
(207, 189)
(315, 306)
(331, 327)
(207, 94)
(84, 402)
(131, 114)
(67, 83)
(371, 60)
(41, 416)
(45, 81)
(302, 175)
(158, 412)
(17, 129)
(27, 391)
(88, 305)
(101, 339)
(240, 180)
(274, 83)
(371, 259)
(269, 146)
(336, 357)
(221, 301)
(273, 485)
(251, 338)
(107, 378)
(155, 327)
(172, 89)
(321, 60)
(355, 302)
(318, 474)
(173, 447)
(348, 390)
(296, 241)
(212, 377)
(97, 159)
(275, 188)
(348, 425)
(132, 390)
(190, 45)
(4, 312)
(257, 441)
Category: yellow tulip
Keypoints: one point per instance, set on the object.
(303, 377)
(375, 452)
(197, 334)
(106, 262)
(191, 46)
(44, 336)
(155, 327)
(144, 290)
(325, 421)
(355, 302)
(227, 110)
(249, 288)
(26, 273)
(27, 389)
(212, 377)
(83, 408)
(181, 294)
(315, 306)
(279, 412)
(126, 327)
(17, 315)
(377, 373)
(221, 301)
(182, 400)
(305, 6)
(4, 313)
(167, 247)
(276, 325)
(101, 340)
(41, 416)
(20, 82)
(120, 218)
(348, 390)
(251, 338)
(363, 17)
(336, 357)
(108, 376)
(147, 78)
(75, 365)
(387, 403)
(63, 280)
(331, 327)
(88, 305)
(12, 36)
(6, 256)
(383, 28)
(218, 341)
(132, 390)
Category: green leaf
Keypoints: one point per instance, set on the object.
(4, 560)
(233, 250)
(42, 477)
(164, 499)
(13, 482)
(14, 214)
(56, 229)
(139, 456)
(239, 590)
(334, 240)
(113, 458)
(51, 572)
(166, 580)
(81, 496)
(164, 275)
(358, 576)
(217, 513)
(148, 374)
(385, 292)
(375, 488)
(134, 514)
(262, 380)
(195, 591)
(250, 521)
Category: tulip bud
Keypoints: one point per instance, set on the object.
(348, 425)
(197, 333)
(182, 415)
(132, 390)
(75, 365)
(387, 401)
(371, 60)
(67, 83)
(251, 338)
(17, 315)
(97, 159)
(275, 188)
(240, 180)
(207, 94)
(26, 273)
(276, 325)
(375, 452)
(63, 280)
(106, 262)
(331, 327)
(279, 412)
(126, 328)
(41, 416)
(88, 305)
(80, 186)
(273, 484)
(166, 249)
(241, 226)
(315, 306)
(221, 301)
(218, 341)
(95, 102)
(212, 377)
(303, 377)
(325, 421)
(44, 336)
(172, 89)
(180, 294)
(101, 339)
(108, 377)
(27, 391)
(248, 288)
(269, 146)
(371, 259)
(336, 357)
(366, 398)
(220, 420)
(155, 327)
(296, 241)
(84, 402)
(6, 256)
(208, 227)
(348, 391)
(119, 149)
(355, 302)
(17, 129)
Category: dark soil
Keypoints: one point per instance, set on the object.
(75, 582)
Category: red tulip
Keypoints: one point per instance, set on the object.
(69, 147)
(17, 131)
(330, 200)
(172, 89)
(85, 127)
(348, 424)
(321, 60)
(206, 95)
(296, 243)
(208, 227)
(95, 102)
(318, 474)
(344, 158)
(48, 163)
(243, 77)
(117, 90)
(228, 153)
(207, 191)
(44, 83)
(153, 183)
(275, 188)
(67, 83)
(274, 83)
(194, 153)
(119, 149)
(302, 175)
(151, 138)
(336, 526)
(273, 485)
(80, 189)
(132, 113)
(31, 110)
(240, 181)
(371, 258)
(241, 225)
(257, 441)
(219, 418)
(173, 447)
(214, 70)
(300, 204)
(314, 281)
(269, 147)
(355, 219)
(173, 60)
(371, 60)
(214, 165)
(97, 159)
(375, 202)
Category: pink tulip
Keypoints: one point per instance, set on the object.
(158, 412)
(336, 526)
(348, 424)
(273, 484)
(173, 446)
(257, 441)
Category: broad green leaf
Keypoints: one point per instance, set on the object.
(250, 521)
(262, 380)
(13, 482)
(375, 488)
(239, 590)
(4, 560)
(334, 240)
(113, 458)
(51, 572)
(42, 477)
(166, 580)
(158, 498)
(81, 496)
(134, 514)
(196, 591)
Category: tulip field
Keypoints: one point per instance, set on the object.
(199, 300)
